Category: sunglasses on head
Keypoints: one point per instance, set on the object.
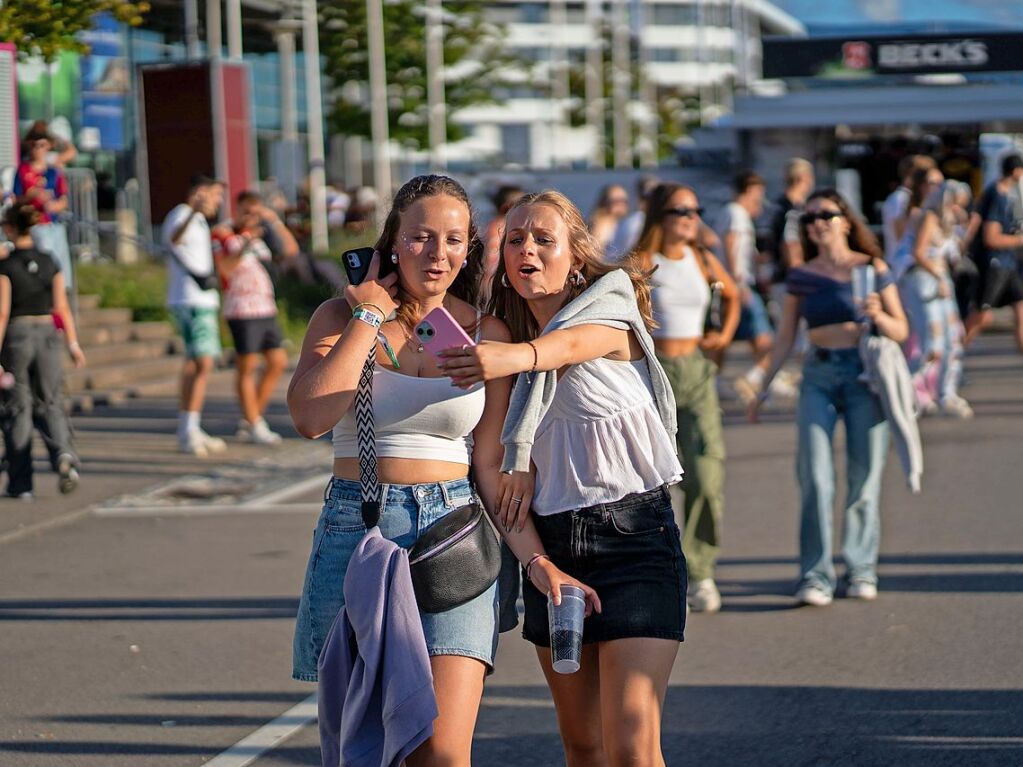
(825, 215)
(683, 212)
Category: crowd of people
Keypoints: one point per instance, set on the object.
(583, 413)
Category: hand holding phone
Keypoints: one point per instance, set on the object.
(438, 331)
(366, 286)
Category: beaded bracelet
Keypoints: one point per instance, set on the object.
(536, 357)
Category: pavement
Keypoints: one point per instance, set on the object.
(146, 620)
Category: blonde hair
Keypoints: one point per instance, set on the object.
(509, 306)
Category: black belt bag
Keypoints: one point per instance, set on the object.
(456, 558)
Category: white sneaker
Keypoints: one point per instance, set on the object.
(864, 590)
(783, 388)
(813, 595)
(213, 444)
(956, 407)
(705, 598)
(263, 435)
(192, 443)
(746, 389)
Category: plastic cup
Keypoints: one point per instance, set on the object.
(863, 284)
(566, 624)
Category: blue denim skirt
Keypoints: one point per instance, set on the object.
(630, 552)
(407, 510)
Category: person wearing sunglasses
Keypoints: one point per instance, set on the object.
(835, 242)
(683, 272)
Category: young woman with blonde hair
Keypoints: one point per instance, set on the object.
(589, 450)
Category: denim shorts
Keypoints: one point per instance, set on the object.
(629, 551)
(407, 510)
(753, 320)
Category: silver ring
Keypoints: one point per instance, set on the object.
(516, 500)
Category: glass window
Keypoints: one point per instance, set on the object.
(674, 15)
(535, 13)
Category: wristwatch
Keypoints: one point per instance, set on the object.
(371, 318)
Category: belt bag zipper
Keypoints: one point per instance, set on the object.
(449, 541)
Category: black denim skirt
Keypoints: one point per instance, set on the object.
(630, 552)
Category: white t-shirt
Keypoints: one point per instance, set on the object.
(893, 209)
(195, 249)
(735, 220)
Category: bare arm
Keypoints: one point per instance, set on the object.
(5, 306)
(61, 308)
(730, 294)
(785, 339)
(178, 233)
(289, 245)
(334, 351)
(885, 310)
(996, 239)
(928, 227)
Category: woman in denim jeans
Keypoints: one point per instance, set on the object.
(936, 349)
(428, 434)
(836, 241)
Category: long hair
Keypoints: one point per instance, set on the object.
(600, 208)
(466, 285)
(861, 239)
(651, 237)
(21, 216)
(513, 309)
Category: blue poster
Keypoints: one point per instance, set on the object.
(105, 82)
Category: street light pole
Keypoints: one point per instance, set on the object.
(378, 101)
(621, 85)
(314, 126)
(435, 105)
(595, 83)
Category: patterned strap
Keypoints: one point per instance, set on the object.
(366, 434)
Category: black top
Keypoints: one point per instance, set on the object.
(778, 220)
(31, 273)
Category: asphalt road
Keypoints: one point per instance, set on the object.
(146, 621)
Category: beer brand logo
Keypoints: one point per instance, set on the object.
(953, 53)
(856, 54)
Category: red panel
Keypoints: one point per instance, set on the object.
(236, 135)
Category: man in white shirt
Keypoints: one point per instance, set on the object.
(739, 239)
(896, 205)
(195, 303)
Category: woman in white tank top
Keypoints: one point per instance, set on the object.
(670, 243)
(428, 435)
(602, 458)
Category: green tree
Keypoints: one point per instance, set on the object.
(47, 27)
(473, 60)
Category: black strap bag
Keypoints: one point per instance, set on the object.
(204, 281)
(458, 557)
(715, 319)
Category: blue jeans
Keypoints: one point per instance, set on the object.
(936, 331)
(831, 388)
(469, 630)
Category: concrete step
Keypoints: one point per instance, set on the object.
(130, 352)
(90, 338)
(88, 302)
(152, 331)
(91, 318)
(105, 377)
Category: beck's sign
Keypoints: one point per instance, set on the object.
(843, 58)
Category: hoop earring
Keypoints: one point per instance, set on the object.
(394, 258)
(504, 281)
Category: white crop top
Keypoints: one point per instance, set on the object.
(601, 439)
(680, 296)
(424, 418)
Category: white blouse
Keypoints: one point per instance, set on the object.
(601, 439)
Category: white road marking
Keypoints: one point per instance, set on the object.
(47, 524)
(269, 736)
(206, 510)
(303, 486)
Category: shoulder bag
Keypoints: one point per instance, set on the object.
(715, 319)
(456, 558)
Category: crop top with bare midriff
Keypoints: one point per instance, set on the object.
(825, 300)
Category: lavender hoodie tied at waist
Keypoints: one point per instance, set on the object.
(376, 699)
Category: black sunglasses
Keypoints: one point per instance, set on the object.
(683, 212)
(825, 215)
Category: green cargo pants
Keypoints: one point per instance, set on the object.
(699, 500)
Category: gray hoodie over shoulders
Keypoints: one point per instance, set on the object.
(609, 301)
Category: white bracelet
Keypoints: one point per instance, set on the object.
(73, 345)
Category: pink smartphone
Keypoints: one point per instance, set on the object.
(438, 331)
